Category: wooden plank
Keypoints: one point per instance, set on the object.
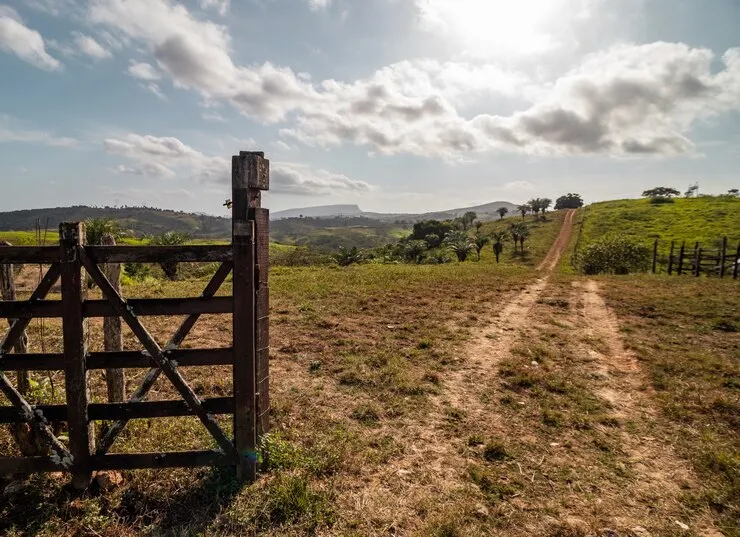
(29, 465)
(123, 411)
(262, 329)
(7, 292)
(81, 438)
(255, 168)
(168, 368)
(153, 374)
(722, 257)
(29, 255)
(120, 359)
(29, 309)
(159, 254)
(19, 327)
(184, 459)
(736, 267)
(697, 257)
(680, 257)
(142, 307)
(655, 255)
(244, 317)
(670, 258)
(115, 379)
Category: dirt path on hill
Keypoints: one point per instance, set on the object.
(659, 472)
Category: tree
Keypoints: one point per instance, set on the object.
(535, 205)
(433, 240)
(519, 232)
(661, 192)
(460, 243)
(692, 191)
(430, 227)
(467, 220)
(480, 242)
(502, 211)
(498, 238)
(569, 201)
(97, 228)
(545, 204)
(414, 251)
(170, 238)
(345, 258)
(733, 192)
(524, 209)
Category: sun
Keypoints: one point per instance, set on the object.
(510, 26)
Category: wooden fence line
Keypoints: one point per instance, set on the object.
(715, 262)
(72, 261)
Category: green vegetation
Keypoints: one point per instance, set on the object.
(329, 234)
(569, 201)
(703, 219)
(614, 254)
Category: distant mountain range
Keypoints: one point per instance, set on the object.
(484, 212)
(142, 221)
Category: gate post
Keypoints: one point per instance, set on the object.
(250, 175)
(74, 291)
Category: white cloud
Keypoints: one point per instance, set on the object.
(164, 157)
(143, 71)
(317, 5)
(27, 44)
(301, 180)
(519, 185)
(629, 99)
(35, 137)
(214, 116)
(221, 6)
(88, 46)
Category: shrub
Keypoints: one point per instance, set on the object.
(660, 200)
(613, 254)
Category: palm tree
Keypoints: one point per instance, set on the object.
(519, 232)
(467, 219)
(480, 241)
(502, 211)
(498, 238)
(460, 243)
(545, 204)
(524, 209)
(170, 238)
(534, 205)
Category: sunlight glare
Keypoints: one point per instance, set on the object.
(514, 26)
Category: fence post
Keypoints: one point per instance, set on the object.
(112, 337)
(245, 170)
(736, 265)
(74, 290)
(655, 255)
(670, 259)
(7, 292)
(697, 260)
(722, 258)
(680, 257)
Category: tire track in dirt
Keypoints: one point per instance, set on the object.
(659, 471)
(432, 464)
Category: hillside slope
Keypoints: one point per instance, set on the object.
(705, 220)
(140, 220)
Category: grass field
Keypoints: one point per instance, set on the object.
(453, 400)
(543, 233)
(704, 219)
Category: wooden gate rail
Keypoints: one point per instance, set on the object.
(246, 257)
(716, 262)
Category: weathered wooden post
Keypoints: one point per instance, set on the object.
(680, 257)
(723, 258)
(250, 175)
(697, 260)
(670, 258)
(736, 265)
(7, 292)
(74, 291)
(655, 255)
(112, 337)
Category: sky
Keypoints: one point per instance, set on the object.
(394, 105)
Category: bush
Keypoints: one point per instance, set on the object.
(613, 254)
(659, 200)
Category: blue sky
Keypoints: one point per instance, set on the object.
(396, 105)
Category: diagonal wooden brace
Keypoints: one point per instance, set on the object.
(19, 325)
(153, 374)
(168, 367)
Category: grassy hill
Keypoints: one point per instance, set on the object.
(139, 221)
(329, 234)
(704, 219)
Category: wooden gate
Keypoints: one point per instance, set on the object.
(246, 257)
